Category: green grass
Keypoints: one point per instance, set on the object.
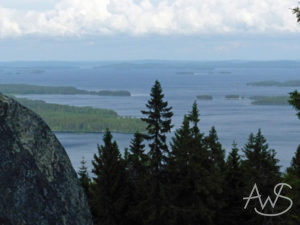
(64, 118)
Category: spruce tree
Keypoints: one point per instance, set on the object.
(158, 119)
(295, 101)
(234, 184)
(179, 188)
(194, 119)
(261, 168)
(110, 189)
(294, 169)
(216, 168)
(199, 180)
(292, 178)
(84, 177)
(137, 166)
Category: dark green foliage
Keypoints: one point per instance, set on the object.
(158, 119)
(110, 189)
(295, 101)
(293, 178)
(233, 186)
(200, 182)
(82, 119)
(137, 166)
(179, 188)
(84, 177)
(216, 169)
(261, 167)
(297, 12)
(294, 169)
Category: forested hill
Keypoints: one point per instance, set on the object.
(23, 89)
(64, 118)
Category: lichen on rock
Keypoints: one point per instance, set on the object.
(38, 185)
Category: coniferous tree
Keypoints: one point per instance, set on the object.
(179, 188)
(216, 169)
(261, 168)
(194, 119)
(110, 189)
(199, 178)
(137, 166)
(158, 119)
(297, 12)
(234, 184)
(84, 177)
(295, 101)
(293, 178)
(294, 169)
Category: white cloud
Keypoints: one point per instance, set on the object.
(100, 17)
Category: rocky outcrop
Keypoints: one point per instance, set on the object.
(38, 185)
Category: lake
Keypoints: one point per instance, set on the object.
(233, 119)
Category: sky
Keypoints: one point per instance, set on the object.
(77, 30)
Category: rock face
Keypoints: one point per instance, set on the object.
(38, 185)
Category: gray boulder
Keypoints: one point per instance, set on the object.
(38, 185)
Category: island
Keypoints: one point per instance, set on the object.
(65, 118)
(24, 89)
(271, 83)
(232, 97)
(270, 100)
(204, 97)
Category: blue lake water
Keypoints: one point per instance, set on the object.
(233, 119)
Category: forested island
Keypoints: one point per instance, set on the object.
(232, 97)
(270, 100)
(24, 89)
(204, 97)
(64, 118)
(271, 83)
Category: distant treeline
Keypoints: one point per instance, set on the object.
(66, 118)
(23, 89)
(270, 83)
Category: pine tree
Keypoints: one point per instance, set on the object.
(110, 189)
(158, 119)
(84, 177)
(261, 168)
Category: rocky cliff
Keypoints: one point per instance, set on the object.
(38, 185)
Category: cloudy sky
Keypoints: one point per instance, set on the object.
(148, 29)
